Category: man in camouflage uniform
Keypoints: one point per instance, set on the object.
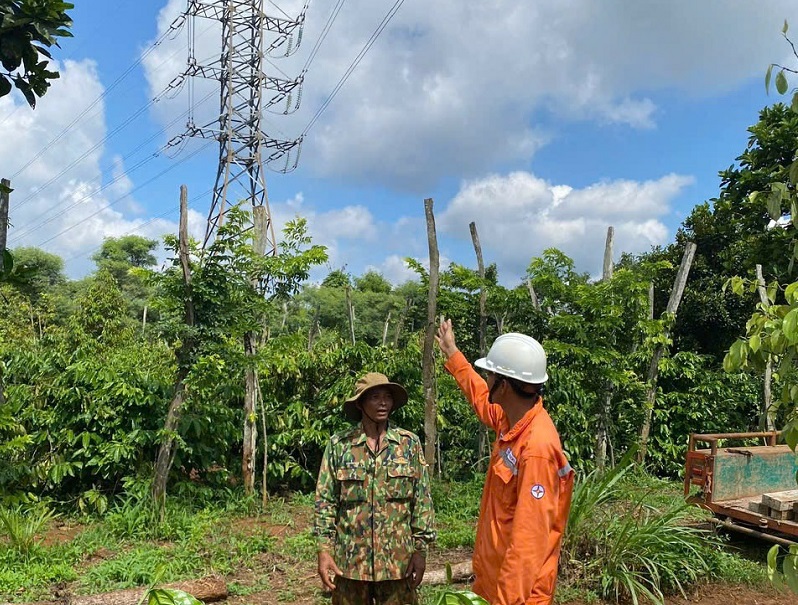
(374, 515)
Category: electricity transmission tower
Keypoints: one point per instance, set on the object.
(248, 37)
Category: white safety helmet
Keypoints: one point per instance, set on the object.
(516, 356)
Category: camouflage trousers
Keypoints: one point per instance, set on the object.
(359, 592)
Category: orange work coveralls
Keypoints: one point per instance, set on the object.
(525, 500)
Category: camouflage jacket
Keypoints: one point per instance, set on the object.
(373, 510)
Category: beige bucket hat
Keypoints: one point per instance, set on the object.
(368, 382)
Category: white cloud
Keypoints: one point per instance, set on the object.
(395, 269)
(58, 202)
(453, 88)
(519, 215)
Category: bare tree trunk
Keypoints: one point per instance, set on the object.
(500, 319)
(428, 366)
(767, 415)
(385, 329)
(609, 266)
(602, 435)
(144, 320)
(314, 329)
(166, 453)
(398, 330)
(653, 370)
(532, 294)
(168, 447)
(651, 300)
(457, 573)
(250, 445)
(264, 474)
(250, 415)
(483, 328)
(350, 310)
(285, 316)
(4, 203)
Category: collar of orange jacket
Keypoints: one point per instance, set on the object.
(520, 426)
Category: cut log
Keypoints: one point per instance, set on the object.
(461, 572)
(781, 501)
(207, 590)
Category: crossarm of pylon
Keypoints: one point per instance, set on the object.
(216, 10)
(214, 71)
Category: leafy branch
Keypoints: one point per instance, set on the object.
(28, 28)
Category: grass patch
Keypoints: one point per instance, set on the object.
(301, 546)
(456, 512)
(629, 534)
(31, 580)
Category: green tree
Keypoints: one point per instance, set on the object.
(40, 271)
(124, 257)
(120, 254)
(225, 305)
(372, 281)
(28, 29)
(734, 232)
(771, 333)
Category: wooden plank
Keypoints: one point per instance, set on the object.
(758, 508)
(781, 501)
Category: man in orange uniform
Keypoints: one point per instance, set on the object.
(528, 487)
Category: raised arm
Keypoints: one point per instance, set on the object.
(471, 384)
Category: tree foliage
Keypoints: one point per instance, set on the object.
(28, 29)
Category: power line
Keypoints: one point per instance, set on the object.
(383, 24)
(175, 27)
(151, 220)
(325, 30)
(107, 137)
(38, 223)
(119, 199)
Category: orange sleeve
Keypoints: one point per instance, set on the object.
(475, 389)
(532, 543)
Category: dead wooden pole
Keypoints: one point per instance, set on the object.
(428, 365)
(609, 266)
(602, 436)
(653, 370)
(5, 188)
(766, 419)
(350, 311)
(483, 328)
(532, 294)
(168, 447)
(260, 222)
(385, 329)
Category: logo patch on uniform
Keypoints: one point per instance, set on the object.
(538, 491)
(509, 459)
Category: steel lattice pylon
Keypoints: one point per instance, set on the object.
(245, 91)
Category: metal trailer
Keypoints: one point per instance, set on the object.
(730, 478)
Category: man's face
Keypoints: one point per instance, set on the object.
(491, 378)
(377, 404)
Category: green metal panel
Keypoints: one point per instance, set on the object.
(750, 471)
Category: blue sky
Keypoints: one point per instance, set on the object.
(544, 122)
